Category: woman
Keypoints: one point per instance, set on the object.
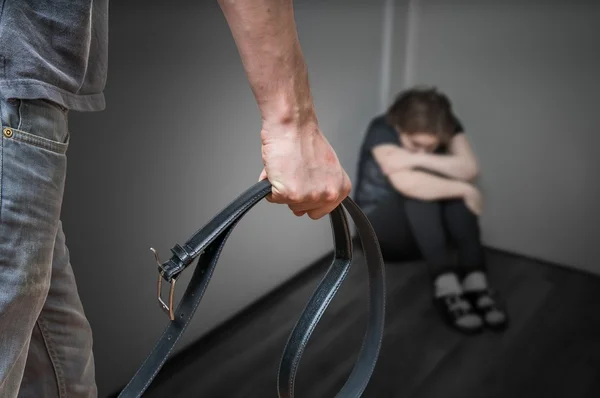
(415, 183)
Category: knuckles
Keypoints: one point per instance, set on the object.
(331, 195)
(328, 191)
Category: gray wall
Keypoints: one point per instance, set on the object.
(178, 141)
(403, 40)
(524, 77)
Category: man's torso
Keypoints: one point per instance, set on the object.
(56, 50)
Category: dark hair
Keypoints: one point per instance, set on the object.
(423, 110)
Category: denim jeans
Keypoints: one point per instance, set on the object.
(45, 338)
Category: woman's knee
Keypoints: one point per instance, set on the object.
(462, 223)
(458, 208)
(432, 204)
(423, 211)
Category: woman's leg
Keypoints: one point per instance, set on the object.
(427, 226)
(463, 228)
(388, 218)
(408, 228)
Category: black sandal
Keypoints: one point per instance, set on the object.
(485, 302)
(453, 307)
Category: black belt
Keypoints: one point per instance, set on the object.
(208, 243)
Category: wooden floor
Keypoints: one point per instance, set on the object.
(552, 348)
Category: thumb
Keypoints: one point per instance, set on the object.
(263, 175)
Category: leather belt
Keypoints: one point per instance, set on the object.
(206, 245)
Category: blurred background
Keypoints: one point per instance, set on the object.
(179, 139)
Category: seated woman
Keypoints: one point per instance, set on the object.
(414, 183)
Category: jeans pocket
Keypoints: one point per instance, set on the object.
(36, 140)
(33, 150)
(37, 122)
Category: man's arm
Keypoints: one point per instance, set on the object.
(460, 163)
(302, 167)
(425, 186)
(266, 37)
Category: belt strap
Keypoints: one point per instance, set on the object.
(206, 245)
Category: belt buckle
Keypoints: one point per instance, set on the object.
(168, 308)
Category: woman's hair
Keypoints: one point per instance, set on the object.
(423, 110)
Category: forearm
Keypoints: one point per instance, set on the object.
(425, 186)
(452, 166)
(266, 37)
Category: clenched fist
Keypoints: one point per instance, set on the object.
(303, 169)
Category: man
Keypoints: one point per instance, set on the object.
(53, 60)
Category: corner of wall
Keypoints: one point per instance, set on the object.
(399, 43)
(411, 43)
(387, 47)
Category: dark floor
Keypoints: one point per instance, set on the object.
(552, 348)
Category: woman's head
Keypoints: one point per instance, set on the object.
(423, 118)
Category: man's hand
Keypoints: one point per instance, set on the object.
(303, 169)
(473, 199)
(299, 162)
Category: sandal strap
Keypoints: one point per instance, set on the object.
(457, 306)
(485, 300)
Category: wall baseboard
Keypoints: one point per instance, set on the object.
(538, 260)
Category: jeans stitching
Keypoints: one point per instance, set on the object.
(28, 138)
(20, 115)
(60, 381)
(1, 171)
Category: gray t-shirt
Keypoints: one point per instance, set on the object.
(54, 49)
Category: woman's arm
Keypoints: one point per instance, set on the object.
(392, 158)
(460, 163)
(426, 186)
